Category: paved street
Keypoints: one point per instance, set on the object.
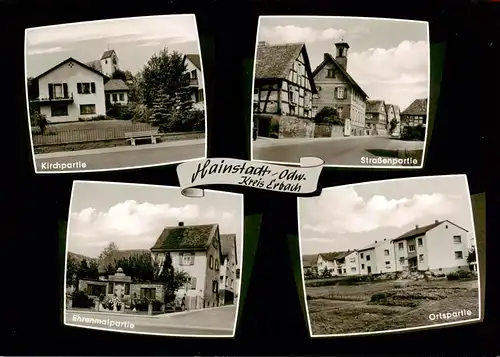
(121, 157)
(208, 322)
(351, 151)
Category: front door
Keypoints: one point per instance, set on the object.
(369, 270)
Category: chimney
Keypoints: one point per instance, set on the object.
(416, 226)
(181, 224)
(262, 43)
(326, 56)
(436, 221)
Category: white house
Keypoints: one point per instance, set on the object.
(70, 90)
(350, 263)
(195, 250)
(195, 76)
(229, 272)
(377, 258)
(107, 64)
(440, 247)
(116, 91)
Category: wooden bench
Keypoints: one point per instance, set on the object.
(132, 136)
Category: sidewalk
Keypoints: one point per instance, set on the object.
(121, 149)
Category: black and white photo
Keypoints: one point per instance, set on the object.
(351, 91)
(390, 255)
(115, 94)
(146, 259)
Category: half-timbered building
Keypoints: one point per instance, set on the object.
(338, 89)
(283, 81)
(376, 117)
(415, 114)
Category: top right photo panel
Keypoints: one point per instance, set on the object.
(351, 91)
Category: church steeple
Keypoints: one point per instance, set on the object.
(341, 55)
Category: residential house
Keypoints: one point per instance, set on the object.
(376, 117)
(328, 261)
(338, 89)
(415, 114)
(397, 115)
(377, 258)
(69, 91)
(307, 267)
(196, 250)
(116, 92)
(229, 279)
(107, 64)
(440, 247)
(348, 263)
(194, 76)
(283, 81)
(393, 120)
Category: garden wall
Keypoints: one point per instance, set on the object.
(328, 131)
(292, 127)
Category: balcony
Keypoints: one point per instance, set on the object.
(59, 99)
(193, 82)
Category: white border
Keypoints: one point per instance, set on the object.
(116, 168)
(432, 326)
(240, 256)
(390, 167)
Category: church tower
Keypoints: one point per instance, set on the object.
(109, 62)
(341, 55)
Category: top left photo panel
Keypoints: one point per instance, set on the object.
(115, 94)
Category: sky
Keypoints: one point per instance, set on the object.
(352, 217)
(134, 40)
(387, 58)
(133, 216)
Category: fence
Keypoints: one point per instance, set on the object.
(61, 136)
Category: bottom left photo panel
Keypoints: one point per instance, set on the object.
(145, 259)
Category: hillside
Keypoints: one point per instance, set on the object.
(310, 258)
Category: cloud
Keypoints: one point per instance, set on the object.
(179, 28)
(342, 210)
(131, 223)
(42, 50)
(291, 33)
(397, 75)
(150, 44)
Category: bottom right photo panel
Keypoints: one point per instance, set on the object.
(390, 256)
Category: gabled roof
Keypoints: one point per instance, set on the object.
(107, 54)
(375, 106)
(418, 107)
(182, 238)
(195, 60)
(373, 245)
(227, 244)
(70, 59)
(332, 256)
(329, 58)
(115, 85)
(276, 61)
(388, 108)
(422, 230)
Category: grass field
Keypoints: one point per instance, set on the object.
(344, 309)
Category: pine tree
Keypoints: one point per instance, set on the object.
(162, 111)
(183, 109)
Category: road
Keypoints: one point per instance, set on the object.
(351, 151)
(119, 158)
(208, 322)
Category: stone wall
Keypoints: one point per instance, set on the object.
(292, 127)
(337, 131)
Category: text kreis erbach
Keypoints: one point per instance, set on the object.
(258, 176)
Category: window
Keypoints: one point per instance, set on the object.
(211, 262)
(340, 93)
(361, 255)
(216, 264)
(194, 75)
(58, 91)
(402, 260)
(420, 242)
(352, 260)
(148, 293)
(353, 269)
(96, 290)
(457, 239)
(215, 286)
(86, 109)
(345, 270)
(330, 73)
(127, 289)
(411, 248)
(459, 255)
(85, 88)
(237, 273)
(421, 258)
(367, 257)
(114, 61)
(387, 263)
(106, 61)
(192, 283)
(122, 97)
(386, 252)
(362, 266)
(115, 97)
(186, 258)
(58, 110)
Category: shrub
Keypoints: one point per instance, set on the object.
(95, 118)
(119, 111)
(194, 121)
(143, 304)
(413, 133)
(81, 299)
(378, 297)
(459, 275)
(140, 113)
(39, 120)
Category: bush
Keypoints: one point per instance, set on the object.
(413, 133)
(378, 297)
(95, 118)
(459, 275)
(142, 305)
(140, 113)
(40, 120)
(119, 111)
(81, 300)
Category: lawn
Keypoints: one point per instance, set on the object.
(345, 309)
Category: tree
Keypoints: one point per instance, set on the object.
(136, 86)
(107, 256)
(93, 270)
(83, 269)
(471, 257)
(71, 271)
(325, 274)
(392, 125)
(173, 279)
(119, 74)
(139, 266)
(328, 115)
(162, 112)
(164, 71)
(32, 88)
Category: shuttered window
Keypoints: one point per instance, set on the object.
(186, 258)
